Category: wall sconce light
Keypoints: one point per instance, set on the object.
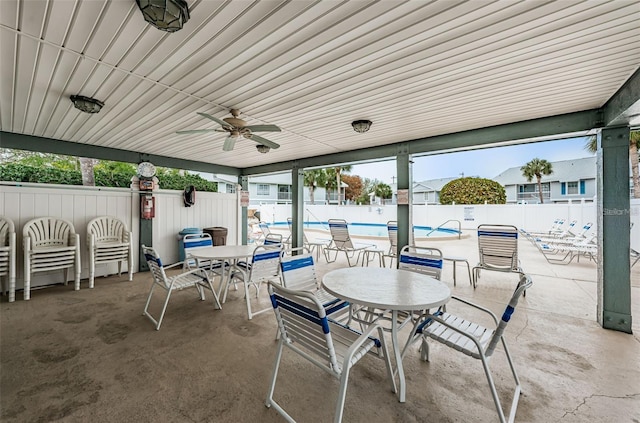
(361, 126)
(86, 104)
(263, 148)
(166, 15)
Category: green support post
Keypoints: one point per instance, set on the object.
(403, 168)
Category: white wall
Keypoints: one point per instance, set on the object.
(23, 202)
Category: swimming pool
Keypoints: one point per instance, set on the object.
(376, 229)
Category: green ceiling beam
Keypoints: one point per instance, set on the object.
(50, 145)
(625, 103)
(543, 127)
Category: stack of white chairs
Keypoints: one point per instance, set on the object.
(109, 241)
(306, 330)
(8, 257)
(195, 278)
(50, 243)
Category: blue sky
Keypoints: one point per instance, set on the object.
(485, 163)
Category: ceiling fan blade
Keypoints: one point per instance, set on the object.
(263, 128)
(229, 143)
(264, 141)
(196, 131)
(215, 119)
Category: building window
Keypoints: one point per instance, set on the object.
(231, 189)
(263, 189)
(284, 192)
(572, 188)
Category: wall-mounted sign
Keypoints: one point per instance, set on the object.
(469, 213)
(244, 198)
(403, 196)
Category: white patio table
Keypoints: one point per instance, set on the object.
(224, 253)
(388, 289)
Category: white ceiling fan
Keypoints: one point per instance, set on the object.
(237, 128)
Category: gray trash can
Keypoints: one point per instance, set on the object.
(218, 234)
(186, 231)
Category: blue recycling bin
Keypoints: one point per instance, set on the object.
(186, 231)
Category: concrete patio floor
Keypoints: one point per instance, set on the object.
(91, 356)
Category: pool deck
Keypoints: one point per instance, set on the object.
(89, 355)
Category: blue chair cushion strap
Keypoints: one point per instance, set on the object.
(297, 263)
(202, 242)
(301, 311)
(427, 322)
(337, 225)
(335, 305)
(421, 261)
(500, 234)
(266, 256)
(506, 316)
(375, 340)
(392, 228)
(149, 257)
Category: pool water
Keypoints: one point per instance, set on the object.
(375, 229)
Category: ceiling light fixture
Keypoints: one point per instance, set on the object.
(361, 126)
(263, 148)
(86, 104)
(166, 15)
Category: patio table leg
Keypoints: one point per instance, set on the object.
(398, 356)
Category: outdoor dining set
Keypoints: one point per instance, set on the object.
(337, 321)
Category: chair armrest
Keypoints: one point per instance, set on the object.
(478, 307)
(176, 264)
(461, 332)
(366, 336)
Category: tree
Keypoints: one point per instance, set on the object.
(339, 170)
(354, 190)
(314, 178)
(86, 169)
(634, 146)
(473, 191)
(383, 191)
(537, 167)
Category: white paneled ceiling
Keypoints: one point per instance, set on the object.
(415, 68)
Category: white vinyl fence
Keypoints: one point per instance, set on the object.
(22, 202)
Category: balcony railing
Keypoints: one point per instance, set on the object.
(533, 196)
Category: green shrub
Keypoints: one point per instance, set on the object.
(473, 191)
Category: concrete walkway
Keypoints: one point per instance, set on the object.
(90, 355)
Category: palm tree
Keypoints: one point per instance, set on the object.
(314, 178)
(383, 191)
(634, 146)
(537, 167)
(339, 170)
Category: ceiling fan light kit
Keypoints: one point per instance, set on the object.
(361, 126)
(238, 129)
(166, 15)
(86, 104)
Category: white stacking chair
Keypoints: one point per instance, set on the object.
(50, 243)
(477, 341)
(299, 273)
(341, 242)
(109, 241)
(190, 241)
(264, 267)
(498, 250)
(306, 330)
(195, 278)
(8, 256)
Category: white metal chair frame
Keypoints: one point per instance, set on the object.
(341, 242)
(196, 278)
(8, 256)
(498, 250)
(214, 267)
(50, 243)
(565, 253)
(316, 247)
(264, 267)
(109, 241)
(306, 330)
(477, 341)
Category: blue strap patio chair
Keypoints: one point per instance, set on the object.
(306, 330)
(475, 340)
(392, 232)
(191, 241)
(195, 278)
